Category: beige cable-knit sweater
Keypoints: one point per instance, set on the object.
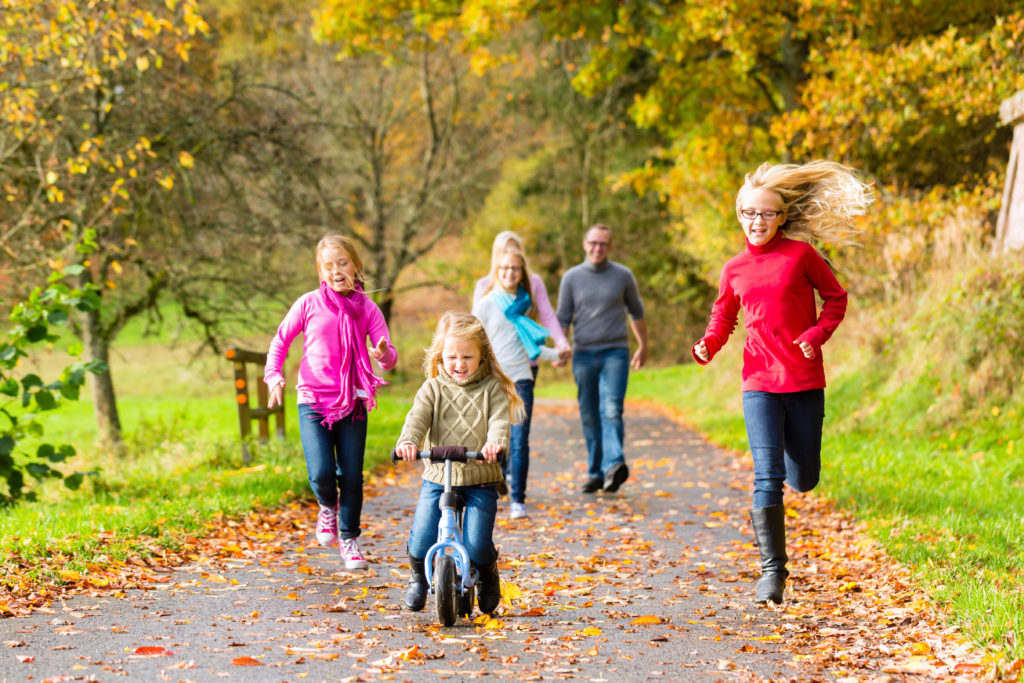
(449, 413)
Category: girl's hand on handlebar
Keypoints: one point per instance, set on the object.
(490, 451)
(407, 451)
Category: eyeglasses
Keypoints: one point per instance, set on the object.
(750, 214)
(511, 269)
(600, 245)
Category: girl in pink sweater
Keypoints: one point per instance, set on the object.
(774, 281)
(336, 387)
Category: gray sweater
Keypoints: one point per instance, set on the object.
(471, 413)
(595, 300)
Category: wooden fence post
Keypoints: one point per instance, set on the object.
(247, 413)
(1010, 225)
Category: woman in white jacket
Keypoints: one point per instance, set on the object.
(517, 340)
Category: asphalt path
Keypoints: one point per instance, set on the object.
(653, 582)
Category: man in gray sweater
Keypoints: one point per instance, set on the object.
(594, 298)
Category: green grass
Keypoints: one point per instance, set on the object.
(181, 464)
(176, 476)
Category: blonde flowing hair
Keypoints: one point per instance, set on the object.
(466, 326)
(344, 243)
(524, 279)
(821, 198)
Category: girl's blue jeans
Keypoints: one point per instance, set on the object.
(477, 523)
(334, 460)
(784, 431)
(517, 465)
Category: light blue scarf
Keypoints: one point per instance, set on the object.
(531, 333)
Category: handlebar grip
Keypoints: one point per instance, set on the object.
(426, 454)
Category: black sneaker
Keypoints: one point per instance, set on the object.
(613, 480)
(593, 485)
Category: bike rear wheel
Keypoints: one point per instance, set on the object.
(445, 590)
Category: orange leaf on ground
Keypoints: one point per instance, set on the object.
(246, 661)
(410, 653)
(647, 619)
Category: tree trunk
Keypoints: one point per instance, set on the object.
(104, 400)
(386, 304)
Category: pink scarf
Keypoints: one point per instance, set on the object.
(355, 370)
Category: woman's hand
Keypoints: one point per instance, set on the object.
(380, 349)
(701, 351)
(276, 395)
(805, 347)
(407, 451)
(490, 451)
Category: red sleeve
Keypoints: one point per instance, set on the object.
(834, 299)
(724, 314)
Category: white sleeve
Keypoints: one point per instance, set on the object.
(548, 354)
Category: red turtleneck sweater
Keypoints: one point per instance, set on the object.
(774, 284)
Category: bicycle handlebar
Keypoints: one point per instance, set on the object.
(442, 453)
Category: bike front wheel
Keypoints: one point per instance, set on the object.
(445, 590)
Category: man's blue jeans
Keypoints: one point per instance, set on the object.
(784, 431)
(477, 523)
(517, 465)
(334, 460)
(601, 377)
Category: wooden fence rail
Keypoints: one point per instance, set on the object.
(246, 412)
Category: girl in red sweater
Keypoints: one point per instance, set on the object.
(774, 281)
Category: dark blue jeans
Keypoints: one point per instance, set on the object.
(334, 460)
(601, 377)
(784, 431)
(477, 523)
(517, 465)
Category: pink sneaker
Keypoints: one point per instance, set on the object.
(327, 526)
(351, 553)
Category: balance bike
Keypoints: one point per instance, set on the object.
(450, 575)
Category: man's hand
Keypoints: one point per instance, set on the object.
(639, 358)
